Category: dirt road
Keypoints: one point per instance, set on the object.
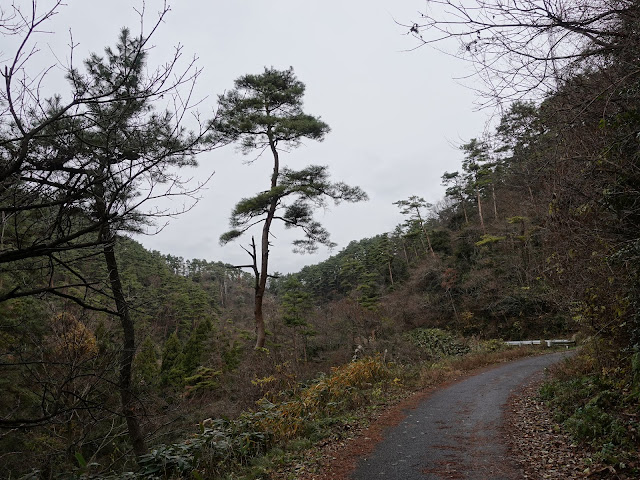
(455, 433)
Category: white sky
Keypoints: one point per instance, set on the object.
(395, 115)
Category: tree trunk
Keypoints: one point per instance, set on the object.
(304, 347)
(424, 246)
(464, 210)
(495, 204)
(404, 249)
(223, 291)
(4, 223)
(424, 230)
(433, 254)
(480, 211)
(261, 334)
(295, 346)
(264, 260)
(128, 351)
(525, 252)
(258, 296)
(108, 239)
(453, 305)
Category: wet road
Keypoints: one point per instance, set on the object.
(455, 433)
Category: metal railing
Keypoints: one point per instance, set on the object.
(549, 343)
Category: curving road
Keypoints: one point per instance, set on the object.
(455, 433)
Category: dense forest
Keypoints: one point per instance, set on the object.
(111, 355)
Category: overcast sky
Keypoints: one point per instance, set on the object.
(396, 116)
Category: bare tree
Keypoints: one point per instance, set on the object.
(526, 48)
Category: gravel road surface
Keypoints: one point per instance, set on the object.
(455, 433)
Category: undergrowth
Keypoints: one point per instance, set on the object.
(262, 436)
(284, 425)
(599, 407)
(436, 342)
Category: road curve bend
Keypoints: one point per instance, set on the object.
(455, 432)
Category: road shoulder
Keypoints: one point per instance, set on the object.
(540, 447)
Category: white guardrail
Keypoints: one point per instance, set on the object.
(548, 343)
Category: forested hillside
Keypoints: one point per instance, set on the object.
(111, 355)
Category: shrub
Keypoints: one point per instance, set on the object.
(493, 345)
(592, 424)
(341, 390)
(223, 444)
(219, 444)
(593, 407)
(205, 379)
(436, 343)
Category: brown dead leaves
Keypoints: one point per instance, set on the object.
(543, 451)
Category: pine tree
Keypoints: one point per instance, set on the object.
(194, 348)
(296, 305)
(171, 358)
(264, 112)
(146, 362)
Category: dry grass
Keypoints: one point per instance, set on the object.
(336, 455)
(482, 359)
(451, 368)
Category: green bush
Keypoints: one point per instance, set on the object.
(591, 424)
(590, 408)
(493, 345)
(205, 379)
(220, 443)
(436, 343)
